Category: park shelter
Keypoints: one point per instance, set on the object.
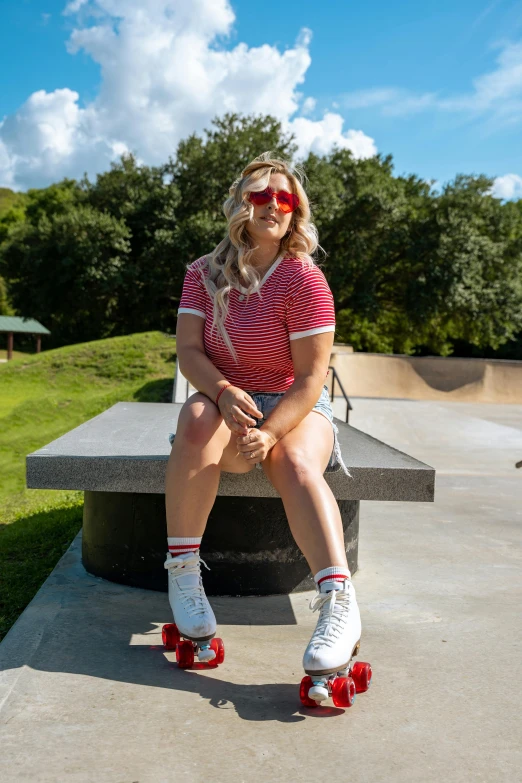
(11, 324)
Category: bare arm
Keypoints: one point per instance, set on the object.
(194, 364)
(310, 357)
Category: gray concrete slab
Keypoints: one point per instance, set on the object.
(88, 694)
(126, 448)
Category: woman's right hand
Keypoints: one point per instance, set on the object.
(237, 407)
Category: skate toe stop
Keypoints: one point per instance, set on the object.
(206, 655)
(318, 693)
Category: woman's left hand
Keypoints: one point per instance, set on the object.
(255, 445)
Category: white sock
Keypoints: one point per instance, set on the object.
(177, 546)
(331, 578)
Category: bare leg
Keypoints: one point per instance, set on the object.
(203, 447)
(295, 466)
(193, 471)
(313, 516)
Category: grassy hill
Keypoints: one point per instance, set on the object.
(42, 396)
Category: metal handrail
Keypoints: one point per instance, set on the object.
(335, 378)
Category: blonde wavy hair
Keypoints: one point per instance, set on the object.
(229, 262)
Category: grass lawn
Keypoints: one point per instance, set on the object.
(42, 396)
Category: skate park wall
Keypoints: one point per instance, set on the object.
(427, 377)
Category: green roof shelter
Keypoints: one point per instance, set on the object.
(12, 323)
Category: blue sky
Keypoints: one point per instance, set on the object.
(436, 85)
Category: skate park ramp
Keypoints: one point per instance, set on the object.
(428, 377)
(87, 692)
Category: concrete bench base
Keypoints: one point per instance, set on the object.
(247, 544)
(119, 460)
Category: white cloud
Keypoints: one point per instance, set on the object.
(320, 136)
(375, 96)
(6, 168)
(507, 187)
(74, 6)
(497, 94)
(308, 105)
(166, 72)
(501, 85)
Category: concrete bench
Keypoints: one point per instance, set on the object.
(119, 459)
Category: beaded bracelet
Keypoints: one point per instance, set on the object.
(222, 390)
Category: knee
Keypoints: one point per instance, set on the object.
(291, 465)
(198, 420)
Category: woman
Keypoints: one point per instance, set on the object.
(254, 334)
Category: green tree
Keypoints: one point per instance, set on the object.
(411, 272)
(65, 271)
(5, 306)
(365, 218)
(466, 281)
(10, 199)
(12, 210)
(139, 197)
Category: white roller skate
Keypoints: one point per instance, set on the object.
(193, 615)
(327, 660)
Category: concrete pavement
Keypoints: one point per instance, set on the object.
(88, 694)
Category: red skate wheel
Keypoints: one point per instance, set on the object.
(185, 654)
(306, 684)
(362, 676)
(343, 691)
(219, 648)
(170, 636)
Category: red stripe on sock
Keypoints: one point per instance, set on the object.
(184, 547)
(333, 578)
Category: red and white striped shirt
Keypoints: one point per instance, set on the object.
(295, 302)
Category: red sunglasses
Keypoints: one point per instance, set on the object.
(287, 202)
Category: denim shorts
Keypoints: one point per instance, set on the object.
(267, 401)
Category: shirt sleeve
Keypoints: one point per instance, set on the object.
(194, 294)
(309, 304)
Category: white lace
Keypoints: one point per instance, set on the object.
(192, 597)
(334, 608)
